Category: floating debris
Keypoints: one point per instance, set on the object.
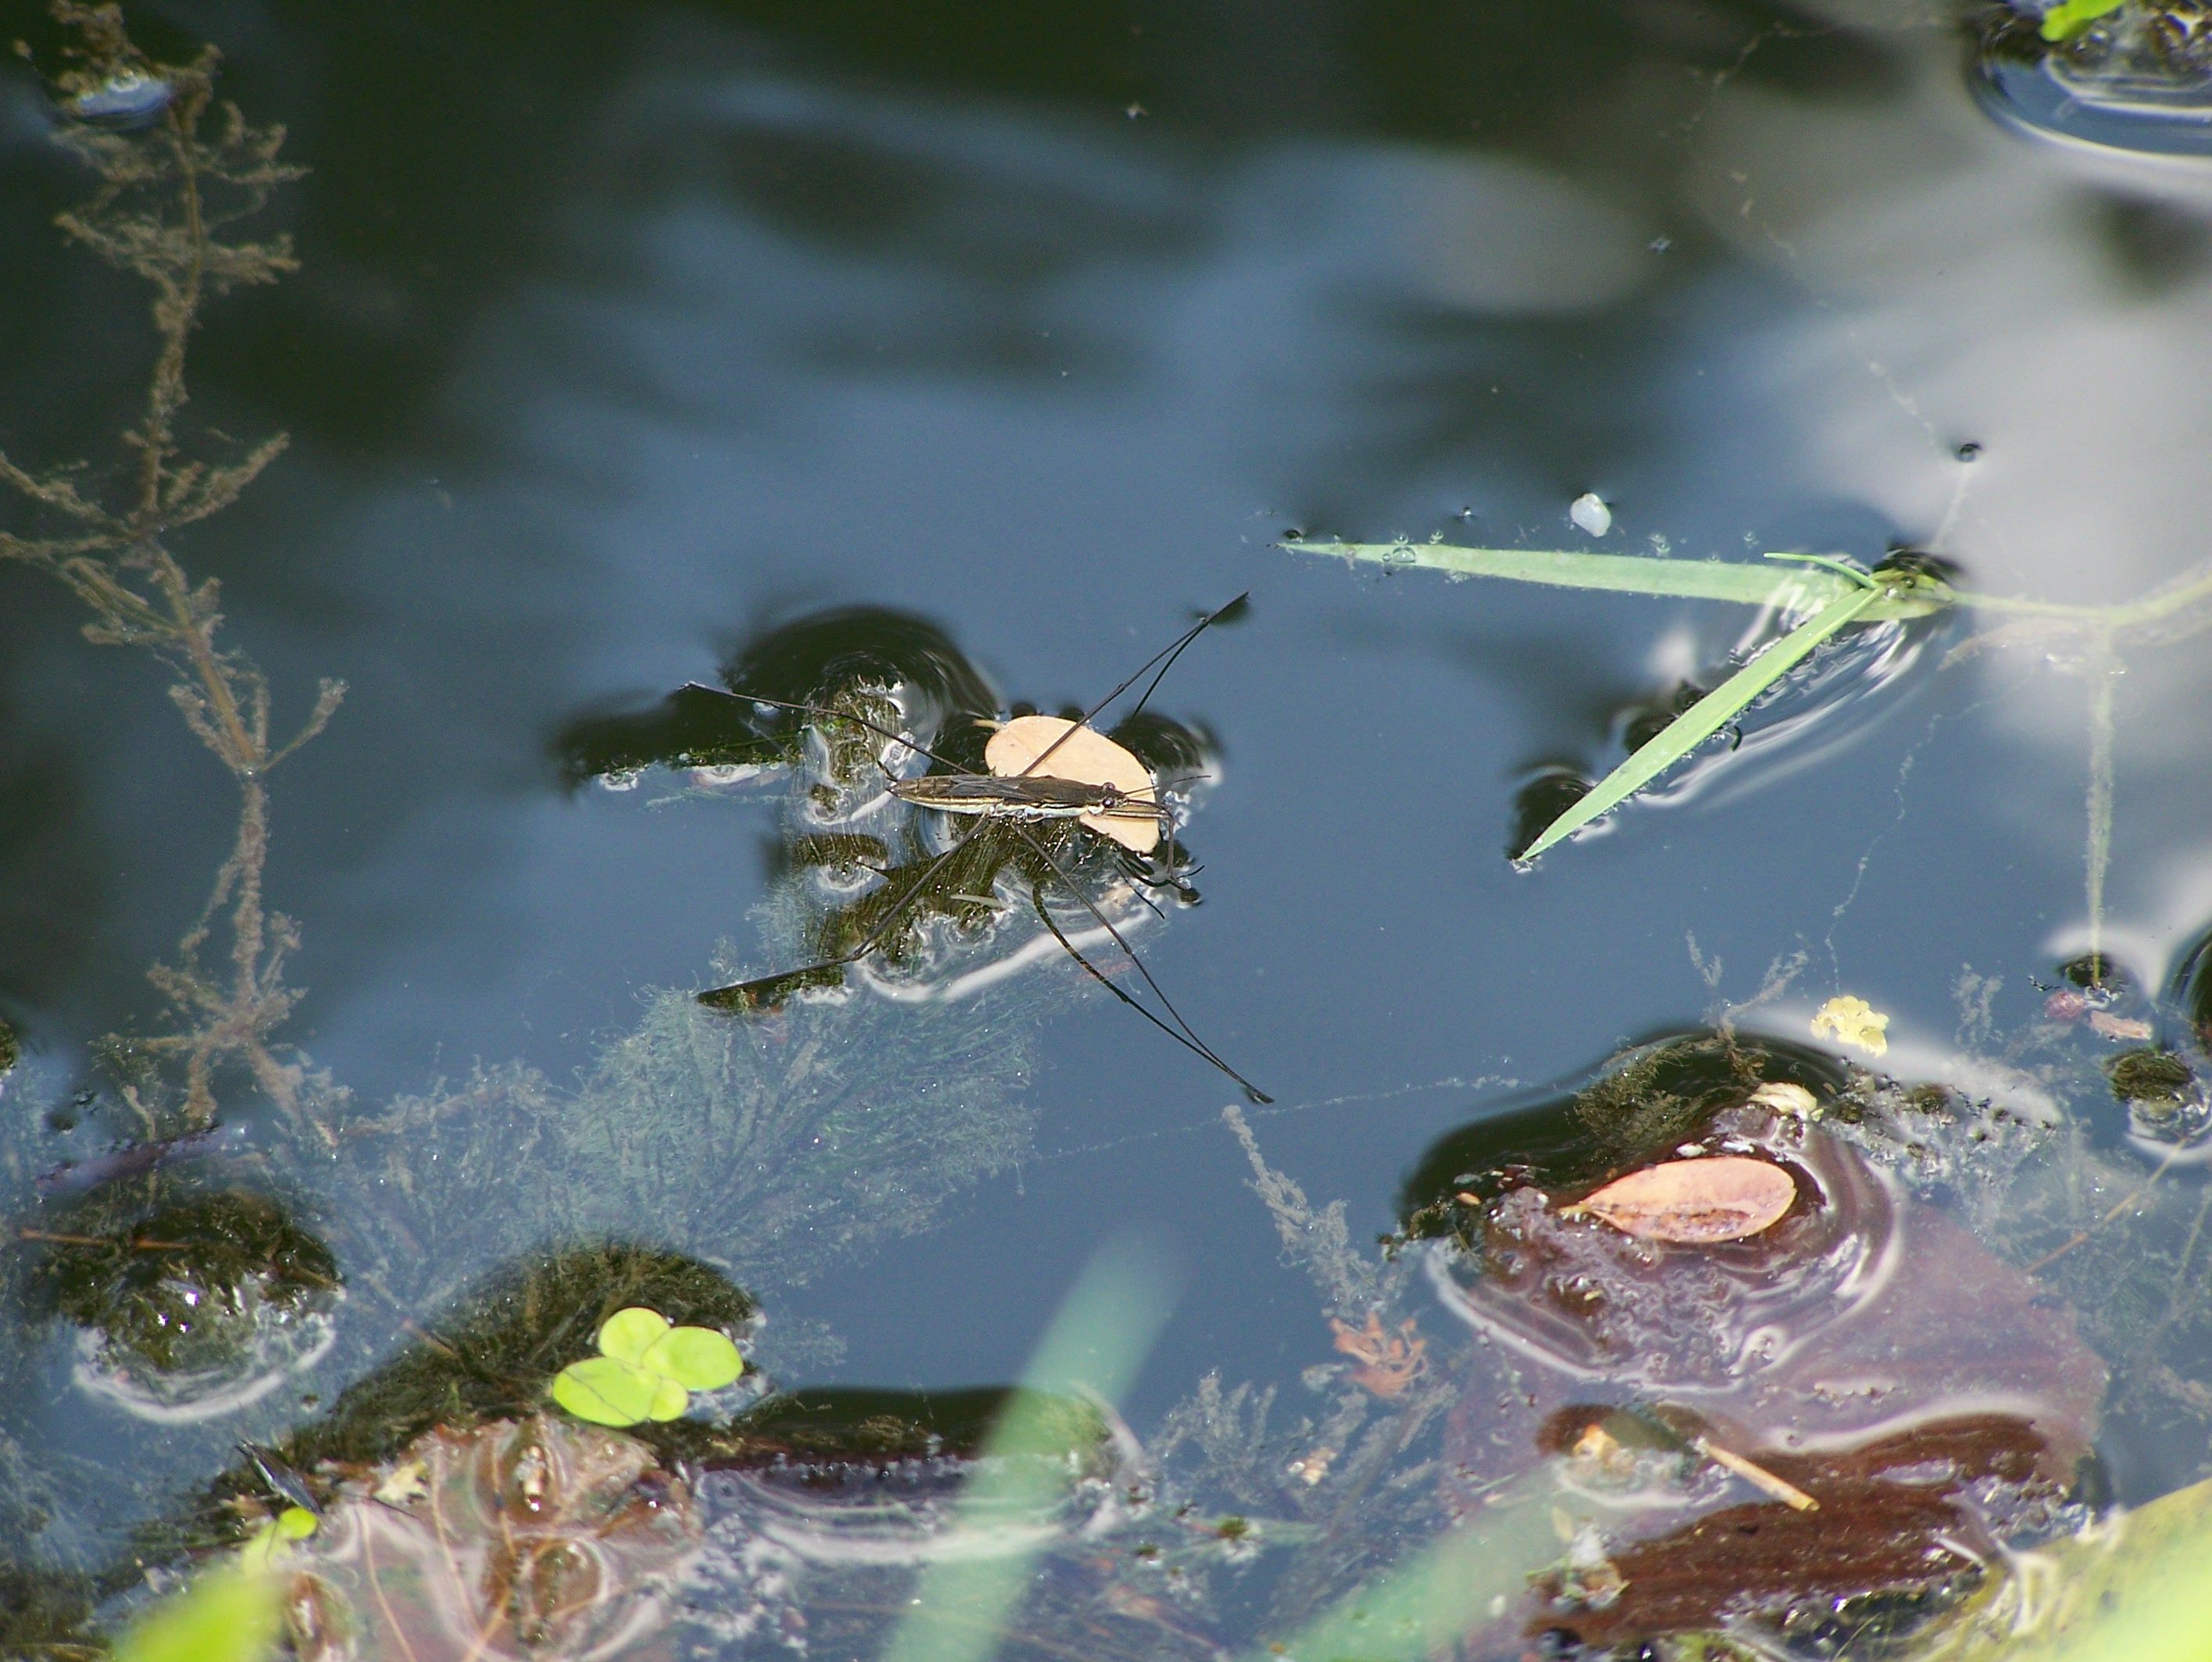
(1054, 747)
(1784, 1097)
(1590, 513)
(1864, 1354)
(2121, 75)
(515, 1539)
(1855, 1023)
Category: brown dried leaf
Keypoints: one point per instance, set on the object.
(1714, 1199)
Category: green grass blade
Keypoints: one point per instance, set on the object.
(1707, 716)
(1791, 589)
(1433, 1602)
(1097, 1342)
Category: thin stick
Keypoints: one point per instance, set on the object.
(1757, 1475)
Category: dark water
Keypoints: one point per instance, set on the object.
(623, 337)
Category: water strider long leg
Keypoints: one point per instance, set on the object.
(1182, 1032)
(1171, 651)
(823, 710)
(738, 995)
(1176, 651)
(1101, 977)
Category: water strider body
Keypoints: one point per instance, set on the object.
(1047, 767)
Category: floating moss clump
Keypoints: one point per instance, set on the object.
(495, 1357)
(167, 1287)
(46, 1613)
(2156, 1080)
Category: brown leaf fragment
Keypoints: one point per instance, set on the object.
(1708, 1199)
(1391, 1361)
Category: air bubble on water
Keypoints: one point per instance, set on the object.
(1591, 514)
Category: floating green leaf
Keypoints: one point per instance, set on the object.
(644, 1370)
(1709, 714)
(1631, 573)
(696, 1358)
(295, 1523)
(2070, 19)
(608, 1391)
(627, 1335)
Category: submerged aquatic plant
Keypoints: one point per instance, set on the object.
(176, 1290)
(170, 187)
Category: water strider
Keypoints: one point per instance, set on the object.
(1043, 769)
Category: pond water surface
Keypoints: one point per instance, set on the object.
(983, 348)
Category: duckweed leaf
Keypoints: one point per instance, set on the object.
(1700, 1201)
(1709, 714)
(696, 1358)
(2070, 19)
(295, 1523)
(670, 1398)
(608, 1391)
(627, 1335)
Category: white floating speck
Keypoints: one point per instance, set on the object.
(1590, 513)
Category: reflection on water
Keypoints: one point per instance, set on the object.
(511, 1539)
(2138, 79)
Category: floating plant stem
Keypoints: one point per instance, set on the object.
(1710, 714)
(1778, 1489)
(1633, 574)
(1665, 577)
